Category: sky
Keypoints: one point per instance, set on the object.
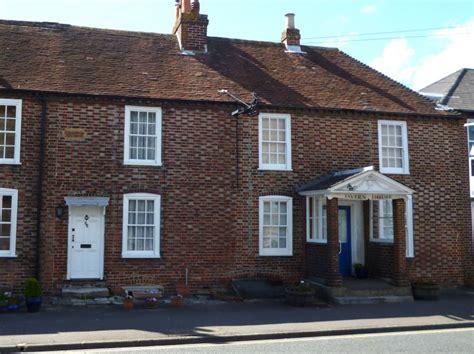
(415, 42)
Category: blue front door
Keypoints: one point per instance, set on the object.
(345, 261)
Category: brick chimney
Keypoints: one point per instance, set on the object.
(291, 35)
(190, 27)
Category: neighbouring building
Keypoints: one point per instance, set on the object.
(120, 162)
(456, 92)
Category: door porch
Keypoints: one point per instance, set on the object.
(378, 243)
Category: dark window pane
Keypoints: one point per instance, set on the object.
(10, 125)
(10, 139)
(5, 230)
(10, 152)
(7, 202)
(6, 216)
(11, 111)
(4, 244)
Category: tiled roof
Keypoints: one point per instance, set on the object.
(457, 90)
(70, 59)
(327, 181)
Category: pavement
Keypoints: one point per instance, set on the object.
(65, 328)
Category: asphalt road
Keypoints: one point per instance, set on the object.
(434, 341)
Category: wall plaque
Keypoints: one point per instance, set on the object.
(75, 134)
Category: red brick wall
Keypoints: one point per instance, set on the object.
(209, 213)
(380, 260)
(317, 260)
(195, 183)
(13, 271)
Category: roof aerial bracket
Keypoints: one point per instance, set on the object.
(250, 109)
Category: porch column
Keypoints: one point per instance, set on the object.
(334, 275)
(366, 232)
(400, 277)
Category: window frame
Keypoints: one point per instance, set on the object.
(288, 251)
(320, 236)
(157, 223)
(269, 166)
(381, 221)
(18, 104)
(126, 146)
(13, 224)
(376, 238)
(470, 158)
(405, 169)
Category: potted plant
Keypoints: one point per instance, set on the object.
(425, 291)
(183, 290)
(33, 294)
(176, 300)
(13, 304)
(128, 301)
(151, 302)
(360, 271)
(300, 295)
(4, 301)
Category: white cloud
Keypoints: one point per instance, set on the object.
(368, 9)
(399, 61)
(457, 54)
(395, 60)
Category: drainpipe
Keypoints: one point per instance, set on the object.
(39, 183)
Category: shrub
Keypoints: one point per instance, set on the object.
(32, 288)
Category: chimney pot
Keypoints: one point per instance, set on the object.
(290, 21)
(195, 6)
(291, 35)
(186, 6)
(191, 27)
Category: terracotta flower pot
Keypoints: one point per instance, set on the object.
(151, 304)
(128, 304)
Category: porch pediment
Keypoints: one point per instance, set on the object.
(357, 184)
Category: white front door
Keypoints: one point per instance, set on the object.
(86, 242)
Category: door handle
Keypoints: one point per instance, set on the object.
(340, 247)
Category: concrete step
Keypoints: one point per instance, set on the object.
(85, 292)
(369, 291)
(144, 291)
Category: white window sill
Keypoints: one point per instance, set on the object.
(378, 240)
(8, 255)
(394, 172)
(140, 256)
(9, 163)
(142, 163)
(319, 242)
(276, 254)
(275, 169)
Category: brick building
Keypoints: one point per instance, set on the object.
(120, 162)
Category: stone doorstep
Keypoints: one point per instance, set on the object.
(368, 300)
(70, 301)
(84, 292)
(347, 296)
